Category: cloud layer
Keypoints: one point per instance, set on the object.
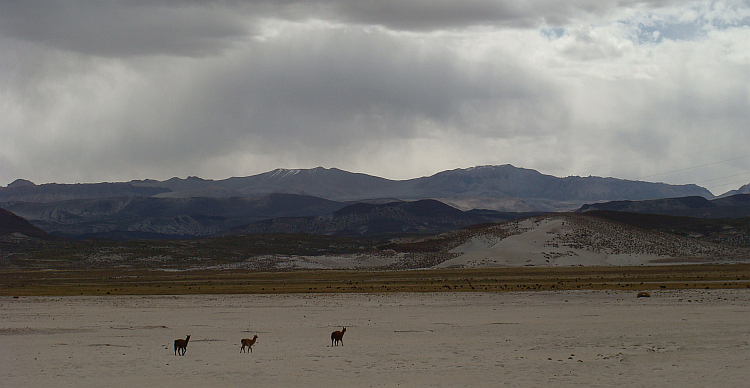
(658, 91)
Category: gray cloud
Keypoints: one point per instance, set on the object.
(196, 28)
(133, 90)
(425, 15)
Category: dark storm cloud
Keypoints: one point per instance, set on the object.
(113, 28)
(426, 15)
(186, 27)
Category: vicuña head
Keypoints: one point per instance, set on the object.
(338, 336)
(249, 343)
(180, 346)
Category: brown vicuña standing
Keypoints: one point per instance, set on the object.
(338, 336)
(249, 343)
(180, 346)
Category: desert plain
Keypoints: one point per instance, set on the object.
(595, 338)
(477, 318)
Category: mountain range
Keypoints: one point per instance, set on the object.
(543, 192)
(318, 200)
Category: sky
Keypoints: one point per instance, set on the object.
(94, 91)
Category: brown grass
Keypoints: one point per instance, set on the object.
(154, 282)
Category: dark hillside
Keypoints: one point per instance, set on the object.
(651, 206)
(135, 217)
(731, 231)
(51, 192)
(736, 206)
(11, 223)
(417, 217)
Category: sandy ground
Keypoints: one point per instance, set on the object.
(689, 338)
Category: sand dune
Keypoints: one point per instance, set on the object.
(686, 338)
(538, 243)
(570, 240)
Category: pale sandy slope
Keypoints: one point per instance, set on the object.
(535, 339)
(565, 240)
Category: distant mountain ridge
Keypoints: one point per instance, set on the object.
(734, 206)
(26, 191)
(539, 191)
(305, 200)
(742, 190)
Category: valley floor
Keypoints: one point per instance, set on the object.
(605, 338)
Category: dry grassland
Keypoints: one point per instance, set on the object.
(155, 282)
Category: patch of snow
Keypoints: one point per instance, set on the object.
(283, 173)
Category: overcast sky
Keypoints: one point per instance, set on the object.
(96, 90)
